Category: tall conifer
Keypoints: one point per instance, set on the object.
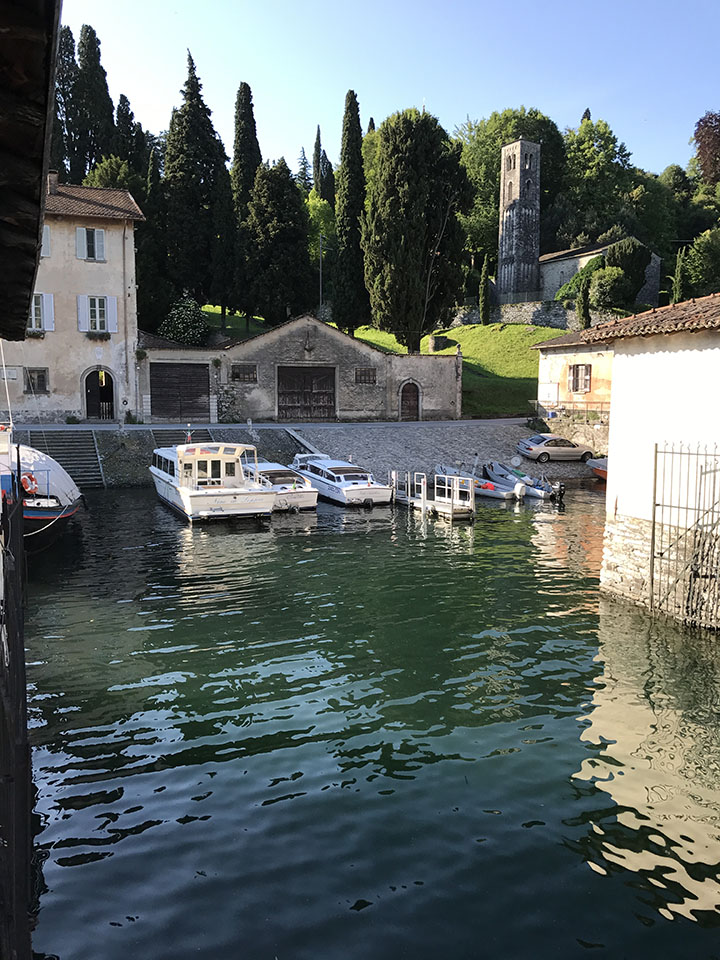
(327, 180)
(246, 151)
(351, 304)
(484, 293)
(124, 139)
(63, 155)
(96, 126)
(156, 293)
(317, 157)
(304, 180)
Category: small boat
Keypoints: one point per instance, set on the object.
(209, 481)
(598, 467)
(50, 496)
(341, 481)
(484, 486)
(537, 487)
(292, 491)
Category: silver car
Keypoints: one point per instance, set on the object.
(548, 446)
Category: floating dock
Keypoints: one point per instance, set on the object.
(453, 496)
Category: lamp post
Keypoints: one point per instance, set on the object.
(321, 252)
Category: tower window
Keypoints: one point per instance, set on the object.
(531, 160)
(528, 187)
(514, 158)
(509, 162)
(509, 192)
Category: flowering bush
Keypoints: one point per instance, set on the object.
(185, 323)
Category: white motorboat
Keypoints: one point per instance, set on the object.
(292, 491)
(484, 487)
(537, 487)
(341, 481)
(209, 481)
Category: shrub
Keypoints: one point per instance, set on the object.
(608, 288)
(633, 258)
(570, 290)
(703, 263)
(185, 323)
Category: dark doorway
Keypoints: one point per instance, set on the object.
(99, 396)
(180, 391)
(306, 393)
(410, 402)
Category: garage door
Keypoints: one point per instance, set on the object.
(180, 391)
(306, 393)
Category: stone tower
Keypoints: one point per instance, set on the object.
(518, 277)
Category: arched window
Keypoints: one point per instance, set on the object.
(528, 187)
(531, 160)
(514, 161)
(509, 192)
(509, 162)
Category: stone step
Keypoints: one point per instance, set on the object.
(74, 450)
(171, 437)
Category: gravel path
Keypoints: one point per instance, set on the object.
(420, 446)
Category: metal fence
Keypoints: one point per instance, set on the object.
(685, 537)
(581, 411)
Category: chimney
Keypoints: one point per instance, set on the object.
(52, 181)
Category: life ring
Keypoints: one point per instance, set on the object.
(29, 483)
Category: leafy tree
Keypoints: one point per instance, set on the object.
(633, 259)
(193, 159)
(156, 292)
(303, 178)
(679, 279)
(277, 227)
(246, 151)
(95, 123)
(351, 304)
(63, 156)
(608, 288)
(327, 180)
(482, 142)
(186, 323)
(582, 304)
(707, 141)
(114, 172)
(369, 154)
(703, 263)
(317, 157)
(411, 237)
(484, 293)
(571, 289)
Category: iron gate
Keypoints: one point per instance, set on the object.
(685, 537)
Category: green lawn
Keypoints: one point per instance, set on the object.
(235, 325)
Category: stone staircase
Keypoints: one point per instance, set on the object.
(171, 437)
(75, 450)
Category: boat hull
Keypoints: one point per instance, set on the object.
(352, 495)
(215, 503)
(42, 526)
(295, 499)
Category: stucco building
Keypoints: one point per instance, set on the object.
(573, 375)
(78, 358)
(300, 370)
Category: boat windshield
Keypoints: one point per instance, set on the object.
(282, 476)
(352, 474)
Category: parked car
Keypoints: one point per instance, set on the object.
(548, 446)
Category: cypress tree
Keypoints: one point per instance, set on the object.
(316, 163)
(156, 293)
(371, 125)
(679, 279)
(246, 151)
(351, 304)
(193, 156)
(327, 181)
(222, 283)
(484, 293)
(582, 304)
(304, 180)
(96, 127)
(124, 138)
(63, 155)
(411, 238)
(586, 115)
(277, 236)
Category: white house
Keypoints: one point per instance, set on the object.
(662, 532)
(78, 359)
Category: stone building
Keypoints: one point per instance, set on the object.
(78, 357)
(519, 230)
(300, 370)
(556, 269)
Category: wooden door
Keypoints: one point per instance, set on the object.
(410, 402)
(306, 393)
(180, 391)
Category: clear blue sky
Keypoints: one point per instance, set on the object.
(649, 68)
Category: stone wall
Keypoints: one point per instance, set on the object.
(539, 313)
(626, 558)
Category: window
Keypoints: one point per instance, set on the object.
(579, 377)
(97, 314)
(528, 187)
(36, 380)
(215, 468)
(365, 374)
(35, 320)
(202, 469)
(89, 243)
(509, 192)
(244, 372)
(509, 162)
(229, 469)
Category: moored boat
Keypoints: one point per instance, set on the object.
(292, 491)
(598, 465)
(537, 487)
(210, 481)
(342, 481)
(484, 486)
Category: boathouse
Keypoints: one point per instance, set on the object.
(300, 370)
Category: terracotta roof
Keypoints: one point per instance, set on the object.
(577, 252)
(107, 203)
(687, 317)
(567, 340)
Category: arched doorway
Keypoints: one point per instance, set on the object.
(99, 395)
(410, 401)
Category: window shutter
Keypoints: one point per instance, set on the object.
(45, 248)
(48, 312)
(112, 323)
(99, 244)
(570, 379)
(80, 243)
(586, 378)
(83, 314)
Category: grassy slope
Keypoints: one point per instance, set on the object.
(499, 366)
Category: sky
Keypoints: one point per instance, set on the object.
(647, 67)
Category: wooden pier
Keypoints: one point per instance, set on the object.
(453, 496)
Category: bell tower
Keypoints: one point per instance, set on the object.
(518, 276)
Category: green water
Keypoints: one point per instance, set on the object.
(357, 736)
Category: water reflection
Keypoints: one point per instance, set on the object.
(655, 720)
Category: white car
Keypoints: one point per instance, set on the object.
(549, 446)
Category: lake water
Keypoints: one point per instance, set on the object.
(358, 736)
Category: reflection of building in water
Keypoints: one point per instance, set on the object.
(569, 542)
(656, 718)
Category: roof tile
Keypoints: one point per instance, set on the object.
(106, 203)
(691, 315)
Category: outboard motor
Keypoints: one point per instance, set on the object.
(560, 494)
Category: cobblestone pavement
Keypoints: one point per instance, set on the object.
(420, 446)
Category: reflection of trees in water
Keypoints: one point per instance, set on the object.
(656, 720)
